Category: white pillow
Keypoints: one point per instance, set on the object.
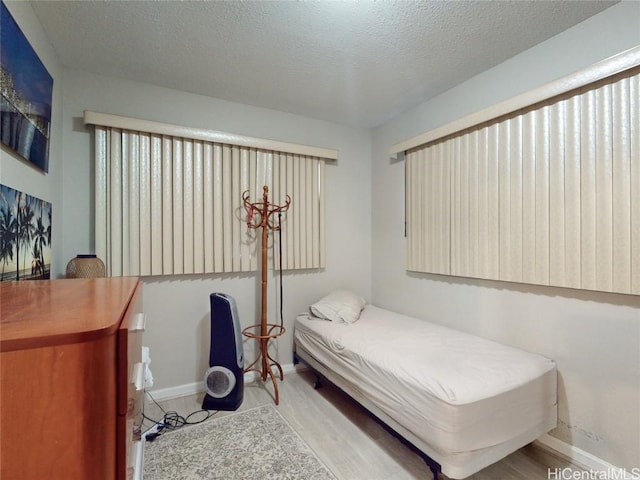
(339, 306)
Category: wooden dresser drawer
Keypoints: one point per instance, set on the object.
(131, 368)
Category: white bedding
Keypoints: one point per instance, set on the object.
(456, 392)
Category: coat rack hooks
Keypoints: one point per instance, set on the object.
(259, 215)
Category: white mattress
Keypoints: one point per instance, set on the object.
(456, 392)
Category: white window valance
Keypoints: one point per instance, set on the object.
(605, 69)
(159, 128)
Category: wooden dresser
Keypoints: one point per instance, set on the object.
(71, 378)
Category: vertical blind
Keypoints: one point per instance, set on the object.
(168, 205)
(549, 194)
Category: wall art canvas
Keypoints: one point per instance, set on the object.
(26, 90)
(25, 236)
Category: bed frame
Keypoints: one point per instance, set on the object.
(406, 437)
(437, 462)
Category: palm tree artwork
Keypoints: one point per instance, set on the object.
(25, 236)
(40, 242)
(8, 228)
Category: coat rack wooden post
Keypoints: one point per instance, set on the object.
(260, 216)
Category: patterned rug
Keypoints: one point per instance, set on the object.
(255, 444)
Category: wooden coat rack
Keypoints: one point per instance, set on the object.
(260, 216)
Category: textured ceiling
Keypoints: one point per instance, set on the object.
(358, 63)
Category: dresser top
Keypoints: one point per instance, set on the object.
(52, 312)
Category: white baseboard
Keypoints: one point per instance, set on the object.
(178, 391)
(198, 387)
(585, 459)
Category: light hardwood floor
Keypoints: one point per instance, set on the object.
(351, 443)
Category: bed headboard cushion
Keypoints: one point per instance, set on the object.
(339, 306)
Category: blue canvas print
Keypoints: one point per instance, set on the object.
(26, 90)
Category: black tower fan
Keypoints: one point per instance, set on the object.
(224, 380)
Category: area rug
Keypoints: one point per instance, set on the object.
(255, 444)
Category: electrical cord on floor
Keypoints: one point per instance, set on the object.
(171, 420)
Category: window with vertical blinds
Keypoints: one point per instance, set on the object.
(548, 194)
(169, 205)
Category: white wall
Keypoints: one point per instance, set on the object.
(178, 306)
(593, 337)
(16, 172)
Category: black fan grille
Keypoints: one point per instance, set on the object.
(218, 383)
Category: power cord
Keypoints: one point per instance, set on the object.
(280, 257)
(171, 420)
